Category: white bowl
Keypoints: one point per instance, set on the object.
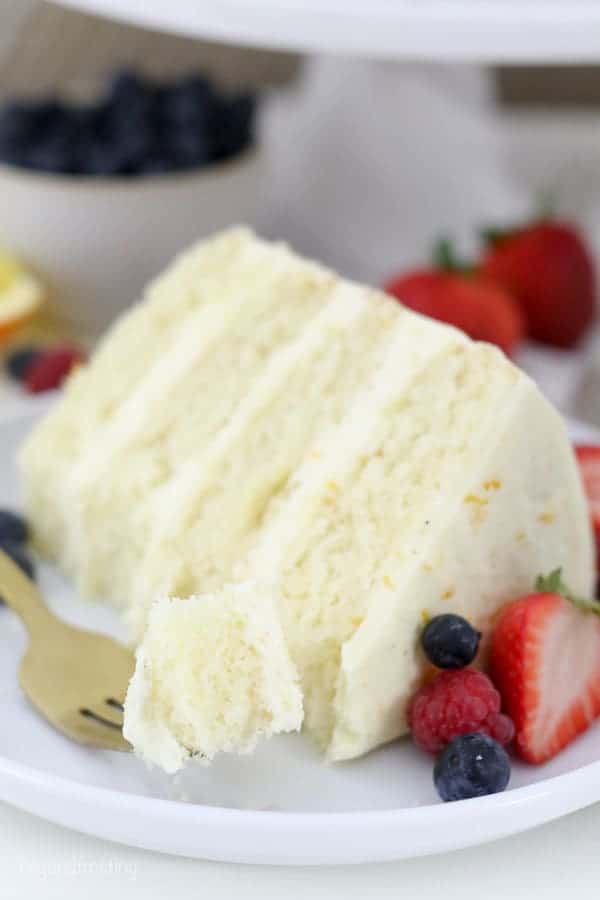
(98, 240)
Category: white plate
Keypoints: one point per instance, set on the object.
(465, 30)
(282, 805)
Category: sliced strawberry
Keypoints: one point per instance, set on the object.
(545, 661)
(589, 463)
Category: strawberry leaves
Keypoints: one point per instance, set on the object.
(444, 258)
(553, 584)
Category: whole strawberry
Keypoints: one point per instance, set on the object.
(548, 268)
(545, 661)
(454, 295)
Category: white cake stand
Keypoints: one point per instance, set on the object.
(443, 30)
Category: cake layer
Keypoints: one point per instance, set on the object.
(424, 470)
(214, 675)
(418, 514)
(188, 396)
(121, 361)
(502, 518)
(205, 518)
(375, 492)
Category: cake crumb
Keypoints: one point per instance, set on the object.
(479, 506)
(546, 518)
(473, 498)
(493, 484)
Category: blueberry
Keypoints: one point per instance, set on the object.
(128, 92)
(53, 153)
(472, 765)
(100, 158)
(19, 556)
(16, 122)
(49, 115)
(50, 145)
(87, 127)
(13, 528)
(232, 125)
(16, 127)
(16, 130)
(155, 165)
(19, 361)
(131, 100)
(133, 144)
(188, 102)
(12, 154)
(450, 642)
(138, 127)
(189, 149)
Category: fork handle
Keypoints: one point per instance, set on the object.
(20, 593)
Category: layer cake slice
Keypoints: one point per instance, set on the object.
(289, 429)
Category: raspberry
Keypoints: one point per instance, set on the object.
(51, 367)
(500, 727)
(457, 702)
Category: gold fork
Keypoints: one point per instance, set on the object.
(76, 679)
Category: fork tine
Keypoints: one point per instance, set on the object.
(87, 729)
(116, 704)
(74, 678)
(101, 720)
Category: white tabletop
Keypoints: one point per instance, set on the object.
(38, 860)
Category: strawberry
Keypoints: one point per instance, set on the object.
(548, 268)
(482, 309)
(545, 661)
(589, 463)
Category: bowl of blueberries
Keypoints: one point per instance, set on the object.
(98, 196)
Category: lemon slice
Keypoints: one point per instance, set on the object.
(21, 294)
(10, 269)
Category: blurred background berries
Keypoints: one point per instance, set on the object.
(41, 369)
(536, 281)
(136, 127)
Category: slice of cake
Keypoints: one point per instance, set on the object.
(222, 433)
(186, 354)
(293, 428)
(213, 675)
